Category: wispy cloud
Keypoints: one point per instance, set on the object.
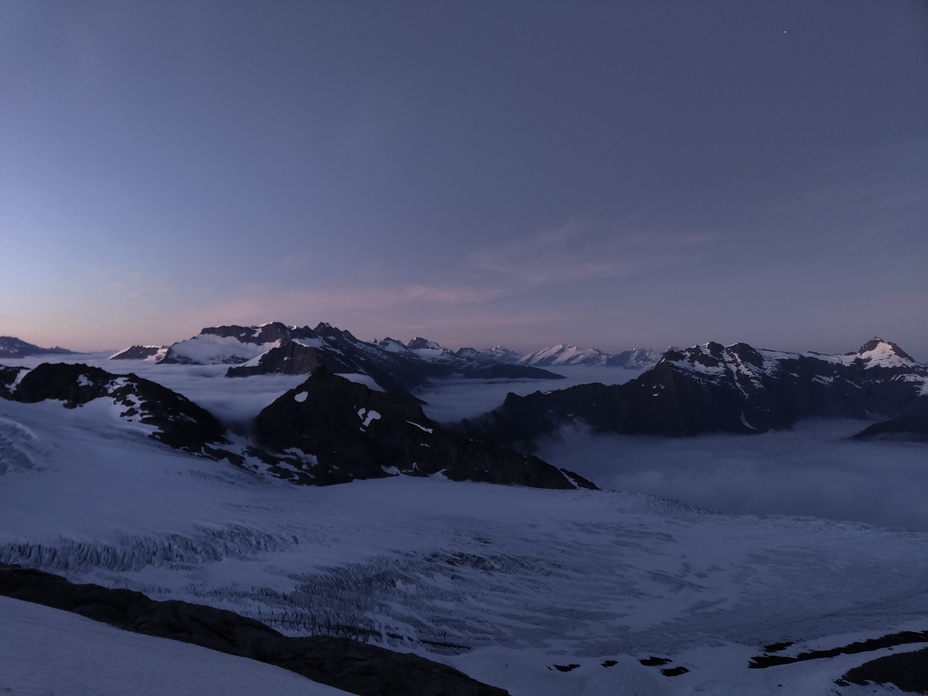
(583, 250)
(137, 285)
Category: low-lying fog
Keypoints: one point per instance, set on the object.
(451, 400)
(812, 470)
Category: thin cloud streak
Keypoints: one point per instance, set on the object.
(586, 251)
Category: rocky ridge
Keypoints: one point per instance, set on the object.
(12, 347)
(174, 420)
(329, 430)
(714, 388)
(276, 348)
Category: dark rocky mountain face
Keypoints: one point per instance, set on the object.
(911, 424)
(8, 377)
(344, 431)
(178, 422)
(712, 388)
(12, 347)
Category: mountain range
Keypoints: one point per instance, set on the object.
(735, 389)
(276, 348)
(540, 585)
(396, 367)
(327, 430)
(703, 389)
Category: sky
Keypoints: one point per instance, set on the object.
(608, 174)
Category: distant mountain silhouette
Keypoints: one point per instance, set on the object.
(12, 347)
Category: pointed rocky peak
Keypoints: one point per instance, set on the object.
(430, 350)
(302, 332)
(747, 354)
(879, 353)
(325, 330)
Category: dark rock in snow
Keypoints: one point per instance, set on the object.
(347, 431)
(906, 671)
(339, 662)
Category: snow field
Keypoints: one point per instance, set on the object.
(504, 583)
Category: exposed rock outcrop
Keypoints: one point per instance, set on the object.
(176, 421)
(344, 431)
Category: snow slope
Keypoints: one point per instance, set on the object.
(503, 583)
(47, 651)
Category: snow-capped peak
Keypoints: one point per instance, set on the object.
(879, 353)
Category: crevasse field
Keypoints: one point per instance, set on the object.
(698, 551)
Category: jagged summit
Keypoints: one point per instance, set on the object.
(713, 357)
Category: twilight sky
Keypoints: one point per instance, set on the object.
(521, 173)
